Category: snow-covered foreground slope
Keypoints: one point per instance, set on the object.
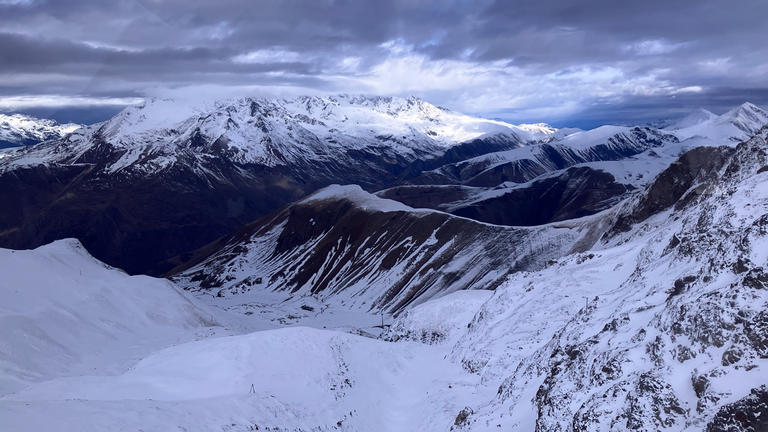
(64, 313)
(303, 379)
(18, 130)
(674, 326)
(100, 350)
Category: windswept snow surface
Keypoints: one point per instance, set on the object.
(85, 347)
(360, 197)
(64, 313)
(734, 126)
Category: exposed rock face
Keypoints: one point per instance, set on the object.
(698, 167)
(749, 414)
(573, 193)
(372, 253)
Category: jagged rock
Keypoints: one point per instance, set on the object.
(749, 414)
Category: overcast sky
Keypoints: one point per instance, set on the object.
(577, 63)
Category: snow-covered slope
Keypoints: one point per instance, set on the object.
(18, 130)
(345, 246)
(64, 313)
(696, 117)
(660, 326)
(303, 380)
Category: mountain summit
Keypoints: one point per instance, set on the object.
(698, 116)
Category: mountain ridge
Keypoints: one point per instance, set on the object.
(22, 130)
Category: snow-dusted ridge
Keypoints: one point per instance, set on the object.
(345, 247)
(19, 129)
(735, 126)
(355, 194)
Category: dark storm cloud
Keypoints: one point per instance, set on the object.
(22, 53)
(647, 50)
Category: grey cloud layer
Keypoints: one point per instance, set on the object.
(96, 48)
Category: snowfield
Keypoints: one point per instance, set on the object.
(65, 313)
(95, 349)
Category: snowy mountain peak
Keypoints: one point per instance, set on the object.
(276, 132)
(736, 125)
(349, 114)
(541, 128)
(747, 117)
(360, 198)
(698, 116)
(19, 129)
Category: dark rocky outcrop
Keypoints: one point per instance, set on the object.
(675, 185)
(749, 414)
(576, 193)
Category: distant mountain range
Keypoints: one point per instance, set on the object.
(163, 178)
(18, 130)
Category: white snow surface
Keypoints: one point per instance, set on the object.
(360, 198)
(66, 313)
(19, 129)
(696, 117)
(106, 351)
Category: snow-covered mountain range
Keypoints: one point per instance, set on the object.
(490, 187)
(131, 188)
(658, 322)
(19, 130)
(150, 137)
